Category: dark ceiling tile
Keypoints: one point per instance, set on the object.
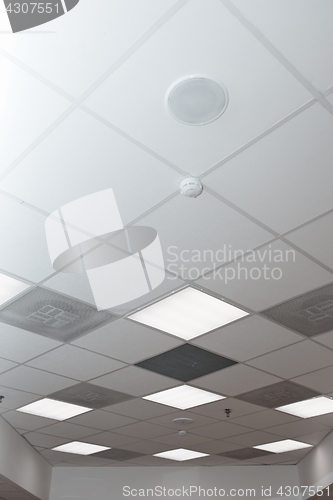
(91, 396)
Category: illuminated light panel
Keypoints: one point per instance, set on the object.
(180, 455)
(188, 314)
(309, 408)
(80, 448)
(183, 397)
(283, 446)
(50, 408)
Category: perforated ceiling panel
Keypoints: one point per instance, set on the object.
(91, 396)
(273, 396)
(53, 315)
(310, 314)
(118, 455)
(186, 362)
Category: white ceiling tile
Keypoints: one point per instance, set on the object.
(258, 99)
(57, 456)
(295, 360)
(254, 438)
(265, 419)
(74, 285)
(140, 409)
(23, 251)
(235, 380)
(143, 430)
(300, 30)
(76, 363)
(6, 365)
(247, 338)
(217, 410)
(289, 275)
(321, 380)
(198, 420)
(128, 341)
(325, 339)
(220, 430)
(27, 108)
(316, 239)
(135, 381)
(20, 345)
(187, 441)
(82, 156)
(284, 179)
(26, 421)
(74, 50)
(190, 244)
(70, 431)
(43, 440)
(15, 399)
(100, 419)
(296, 429)
(32, 380)
(111, 439)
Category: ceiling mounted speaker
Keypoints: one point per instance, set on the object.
(197, 100)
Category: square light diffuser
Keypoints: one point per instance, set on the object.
(283, 446)
(188, 314)
(80, 448)
(183, 397)
(309, 408)
(50, 408)
(9, 287)
(180, 455)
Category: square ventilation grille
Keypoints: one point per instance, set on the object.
(186, 362)
(90, 396)
(53, 315)
(245, 454)
(310, 314)
(275, 395)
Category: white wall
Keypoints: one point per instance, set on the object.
(107, 483)
(21, 464)
(316, 468)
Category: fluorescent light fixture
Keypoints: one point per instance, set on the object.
(188, 314)
(183, 397)
(80, 448)
(309, 408)
(50, 408)
(180, 455)
(9, 287)
(283, 446)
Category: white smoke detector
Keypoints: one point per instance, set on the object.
(197, 99)
(191, 187)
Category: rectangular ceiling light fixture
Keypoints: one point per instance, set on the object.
(50, 408)
(180, 455)
(283, 446)
(80, 448)
(183, 397)
(188, 314)
(10, 287)
(309, 408)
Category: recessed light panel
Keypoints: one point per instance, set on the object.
(80, 448)
(181, 455)
(50, 408)
(10, 287)
(183, 397)
(309, 408)
(197, 100)
(188, 314)
(283, 446)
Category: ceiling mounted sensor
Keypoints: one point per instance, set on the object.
(197, 100)
(191, 187)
